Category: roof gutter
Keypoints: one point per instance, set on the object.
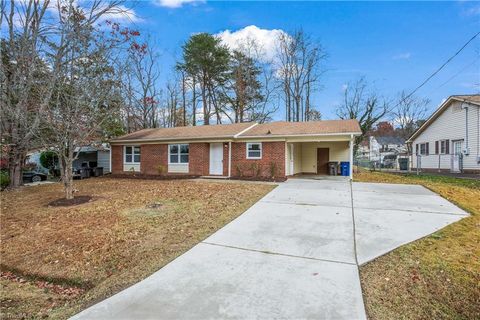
(302, 135)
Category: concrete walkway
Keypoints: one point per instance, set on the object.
(294, 254)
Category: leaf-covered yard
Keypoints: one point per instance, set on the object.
(437, 277)
(58, 260)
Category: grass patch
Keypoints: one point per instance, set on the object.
(436, 277)
(132, 229)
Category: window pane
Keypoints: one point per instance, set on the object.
(128, 158)
(254, 146)
(136, 158)
(184, 148)
(136, 150)
(128, 150)
(173, 158)
(254, 154)
(184, 158)
(174, 148)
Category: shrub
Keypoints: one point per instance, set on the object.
(255, 169)
(273, 169)
(239, 170)
(161, 169)
(4, 179)
(49, 160)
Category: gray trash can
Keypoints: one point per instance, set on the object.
(403, 163)
(332, 168)
(98, 171)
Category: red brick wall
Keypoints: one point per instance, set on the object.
(152, 156)
(272, 152)
(117, 159)
(225, 159)
(199, 157)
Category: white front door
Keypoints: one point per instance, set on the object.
(216, 158)
(457, 154)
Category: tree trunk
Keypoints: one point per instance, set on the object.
(66, 167)
(15, 169)
(194, 103)
(206, 116)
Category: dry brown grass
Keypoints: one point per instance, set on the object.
(107, 244)
(437, 277)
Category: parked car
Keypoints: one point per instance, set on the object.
(34, 176)
(389, 161)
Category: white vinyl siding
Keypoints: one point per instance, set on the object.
(103, 160)
(450, 125)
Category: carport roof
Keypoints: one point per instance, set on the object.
(243, 130)
(283, 128)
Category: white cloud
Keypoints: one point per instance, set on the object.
(472, 11)
(173, 4)
(265, 38)
(402, 56)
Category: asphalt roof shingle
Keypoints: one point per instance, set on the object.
(283, 128)
(248, 129)
(218, 130)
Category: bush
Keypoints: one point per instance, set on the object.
(49, 160)
(273, 169)
(255, 169)
(161, 169)
(4, 179)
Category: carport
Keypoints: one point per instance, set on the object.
(311, 155)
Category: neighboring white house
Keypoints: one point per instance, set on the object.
(449, 141)
(377, 149)
(94, 155)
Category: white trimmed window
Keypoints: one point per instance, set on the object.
(423, 149)
(443, 146)
(178, 153)
(132, 154)
(254, 150)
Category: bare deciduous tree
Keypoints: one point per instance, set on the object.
(299, 69)
(84, 94)
(409, 114)
(358, 103)
(26, 82)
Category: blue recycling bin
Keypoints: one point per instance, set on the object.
(345, 168)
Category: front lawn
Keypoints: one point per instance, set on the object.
(58, 260)
(437, 277)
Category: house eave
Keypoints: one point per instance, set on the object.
(232, 138)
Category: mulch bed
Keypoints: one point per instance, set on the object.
(70, 202)
(152, 176)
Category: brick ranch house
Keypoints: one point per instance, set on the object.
(248, 150)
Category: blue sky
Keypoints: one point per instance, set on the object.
(395, 45)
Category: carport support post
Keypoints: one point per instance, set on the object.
(351, 157)
(229, 159)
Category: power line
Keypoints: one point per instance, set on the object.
(456, 74)
(436, 71)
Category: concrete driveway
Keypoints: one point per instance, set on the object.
(294, 254)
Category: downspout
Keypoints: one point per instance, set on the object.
(229, 159)
(351, 157)
(110, 158)
(466, 151)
